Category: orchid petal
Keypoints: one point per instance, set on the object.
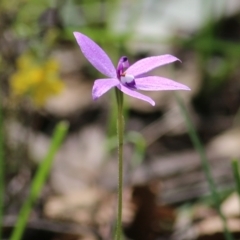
(101, 86)
(135, 94)
(154, 83)
(95, 55)
(147, 64)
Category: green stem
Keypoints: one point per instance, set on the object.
(120, 129)
(39, 180)
(2, 169)
(205, 164)
(236, 173)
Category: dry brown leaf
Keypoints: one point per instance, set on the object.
(77, 206)
(231, 206)
(214, 225)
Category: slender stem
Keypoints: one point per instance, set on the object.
(205, 164)
(2, 169)
(39, 180)
(236, 174)
(120, 129)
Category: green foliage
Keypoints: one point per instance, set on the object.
(218, 55)
(2, 169)
(205, 164)
(236, 174)
(39, 180)
(26, 21)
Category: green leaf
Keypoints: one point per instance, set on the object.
(39, 180)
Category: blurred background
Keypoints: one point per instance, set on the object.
(45, 79)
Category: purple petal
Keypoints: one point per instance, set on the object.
(101, 86)
(135, 94)
(95, 55)
(154, 83)
(147, 64)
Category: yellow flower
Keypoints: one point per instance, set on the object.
(39, 81)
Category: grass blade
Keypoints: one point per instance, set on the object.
(205, 164)
(236, 173)
(2, 169)
(39, 180)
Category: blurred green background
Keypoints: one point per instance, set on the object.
(44, 80)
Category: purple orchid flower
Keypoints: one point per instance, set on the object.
(126, 78)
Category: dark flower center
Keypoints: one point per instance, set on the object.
(125, 79)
